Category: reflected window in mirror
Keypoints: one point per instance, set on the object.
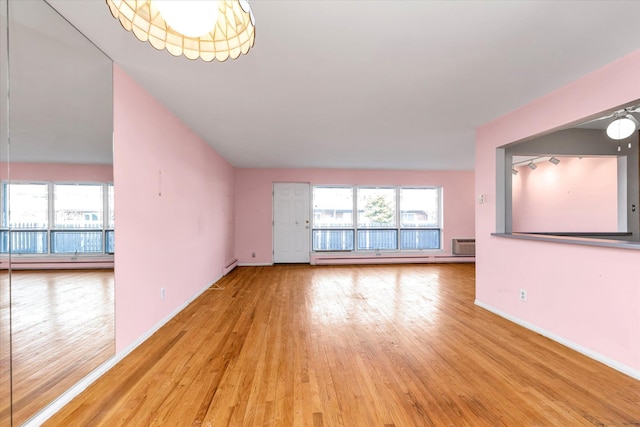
(82, 218)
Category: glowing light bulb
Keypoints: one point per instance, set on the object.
(192, 18)
(622, 127)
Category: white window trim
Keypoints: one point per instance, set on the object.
(398, 228)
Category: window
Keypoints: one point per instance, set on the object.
(332, 219)
(419, 218)
(78, 205)
(28, 218)
(110, 246)
(54, 218)
(110, 210)
(377, 225)
(29, 206)
(376, 207)
(387, 218)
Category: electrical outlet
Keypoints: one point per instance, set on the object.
(162, 293)
(523, 294)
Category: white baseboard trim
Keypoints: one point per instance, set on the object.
(627, 370)
(66, 397)
(255, 264)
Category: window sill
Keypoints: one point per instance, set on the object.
(572, 240)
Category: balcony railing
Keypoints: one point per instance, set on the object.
(376, 239)
(333, 240)
(73, 241)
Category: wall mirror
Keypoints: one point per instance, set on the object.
(575, 182)
(5, 331)
(56, 208)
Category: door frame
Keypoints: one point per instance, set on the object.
(273, 218)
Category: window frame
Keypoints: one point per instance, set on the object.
(356, 229)
(342, 229)
(8, 233)
(440, 217)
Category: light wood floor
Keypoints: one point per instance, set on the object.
(351, 346)
(62, 328)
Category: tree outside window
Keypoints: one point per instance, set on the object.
(377, 207)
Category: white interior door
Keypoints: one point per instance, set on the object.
(291, 234)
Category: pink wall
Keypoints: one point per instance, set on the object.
(254, 200)
(575, 195)
(586, 295)
(174, 207)
(59, 172)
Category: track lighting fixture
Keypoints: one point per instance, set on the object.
(554, 160)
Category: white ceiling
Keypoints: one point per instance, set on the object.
(61, 103)
(371, 84)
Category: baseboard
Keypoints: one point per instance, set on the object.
(395, 259)
(627, 370)
(375, 260)
(66, 397)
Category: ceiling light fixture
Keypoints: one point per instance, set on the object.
(532, 166)
(622, 127)
(206, 29)
(554, 160)
(514, 172)
(188, 17)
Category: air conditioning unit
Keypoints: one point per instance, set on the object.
(465, 247)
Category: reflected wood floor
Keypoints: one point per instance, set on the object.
(293, 345)
(62, 329)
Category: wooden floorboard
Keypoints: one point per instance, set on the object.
(62, 327)
(296, 345)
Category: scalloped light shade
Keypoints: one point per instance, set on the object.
(233, 34)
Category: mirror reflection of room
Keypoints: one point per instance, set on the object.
(56, 207)
(5, 330)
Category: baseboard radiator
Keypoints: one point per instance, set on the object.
(465, 247)
(229, 267)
